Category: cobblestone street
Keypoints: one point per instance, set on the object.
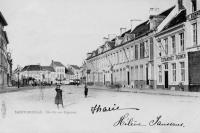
(34, 111)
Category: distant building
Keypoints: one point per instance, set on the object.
(59, 71)
(5, 59)
(76, 71)
(68, 74)
(37, 74)
(49, 74)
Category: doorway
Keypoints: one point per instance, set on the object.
(128, 78)
(166, 80)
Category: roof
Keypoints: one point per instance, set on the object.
(57, 63)
(32, 68)
(2, 20)
(144, 27)
(128, 31)
(141, 29)
(75, 66)
(48, 68)
(167, 12)
(179, 18)
(5, 36)
(68, 71)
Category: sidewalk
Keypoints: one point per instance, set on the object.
(15, 88)
(150, 91)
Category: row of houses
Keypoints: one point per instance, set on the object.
(162, 52)
(5, 56)
(56, 72)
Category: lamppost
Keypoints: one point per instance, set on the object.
(18, 77)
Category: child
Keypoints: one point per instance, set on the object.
(58, 98)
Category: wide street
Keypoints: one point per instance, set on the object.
(34, 111)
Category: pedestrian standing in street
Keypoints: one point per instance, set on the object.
(86, 91)
(58, 98)
(3, 109)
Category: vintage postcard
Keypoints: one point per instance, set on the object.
(99, 66)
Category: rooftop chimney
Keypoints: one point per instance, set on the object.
(153, 11)
(122, 30)
(105, 39)
(111, 36)
(180, 4)
(134, 22)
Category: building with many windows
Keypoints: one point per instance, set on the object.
(127, 59)
(59, 71)
(162, 52)
(5, 56)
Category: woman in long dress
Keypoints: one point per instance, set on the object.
(58, 98)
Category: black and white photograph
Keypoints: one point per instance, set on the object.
(99, 66)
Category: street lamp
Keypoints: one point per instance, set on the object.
(18, 77)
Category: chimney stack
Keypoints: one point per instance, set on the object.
(180, 4)
(153, 11)
(105, 39)
(122, 30)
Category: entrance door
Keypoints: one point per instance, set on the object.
(128, 78)
(166, 79)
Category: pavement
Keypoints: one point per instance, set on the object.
(34, 111)
(150, 91)
(15, 88)
(123, 89)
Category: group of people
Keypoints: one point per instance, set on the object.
(59, 99)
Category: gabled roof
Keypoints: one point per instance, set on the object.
(68, 71)
(32, 68)
(111, 44)
(57, 63)
(48, 68)
(128, 31)
(75, 66)
(141, 29)
(2, 20)
(167, 12)
(179, 18)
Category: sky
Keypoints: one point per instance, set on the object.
(40, 31)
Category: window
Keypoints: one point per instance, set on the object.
(160, 73)
(166, 46)
(174, 71)
(194, 5)
(194, 33)
(182, 71)
(141, 72)
(128, 54)
(173, 45)
(182, 42)
(142, 50)
(136, 69)
(136, 52)
(146, 49)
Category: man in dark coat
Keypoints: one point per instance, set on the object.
(86, 91)
(58, 98)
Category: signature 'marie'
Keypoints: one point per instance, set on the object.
(99, 108)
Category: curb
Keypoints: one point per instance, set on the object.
(144, 92)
